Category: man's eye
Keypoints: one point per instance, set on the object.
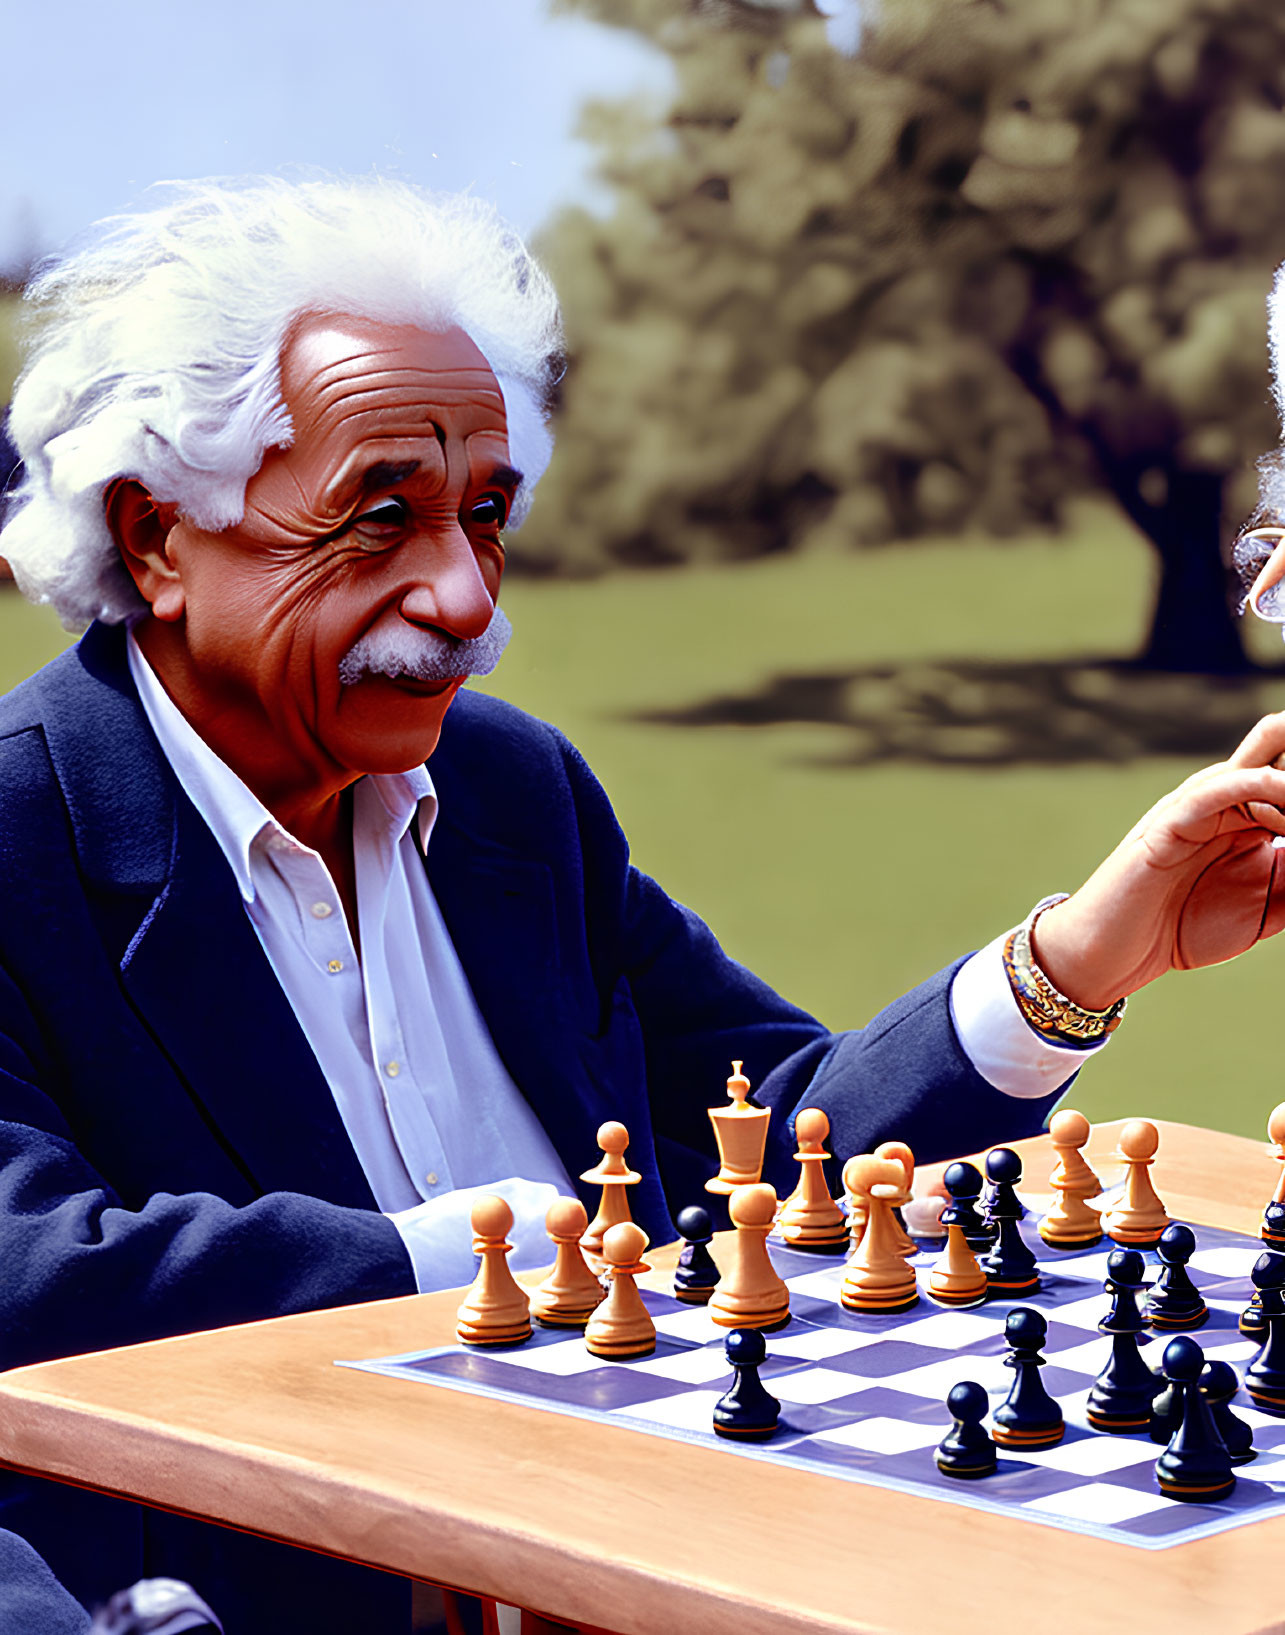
(381, 526)
(490, 512)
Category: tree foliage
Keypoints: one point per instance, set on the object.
(1010, 249)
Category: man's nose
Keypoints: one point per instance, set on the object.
(447, 590)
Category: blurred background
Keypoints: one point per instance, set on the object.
(917, 377)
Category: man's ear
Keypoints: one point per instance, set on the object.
(141, 529)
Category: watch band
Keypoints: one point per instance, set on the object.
(1050, 1013)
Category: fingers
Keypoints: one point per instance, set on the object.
(1263, 744)
(1266, 817)
(1255, 793)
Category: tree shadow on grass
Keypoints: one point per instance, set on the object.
(969, 712)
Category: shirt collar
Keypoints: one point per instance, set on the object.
(391, 799)
(384, 801)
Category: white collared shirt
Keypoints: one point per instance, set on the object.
(430, 1109)
(432, 1113)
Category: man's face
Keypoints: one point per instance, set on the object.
(382, 519)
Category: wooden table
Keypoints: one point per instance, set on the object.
(595, 1523)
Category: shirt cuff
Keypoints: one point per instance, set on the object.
(995, 1036)
(439, 1237)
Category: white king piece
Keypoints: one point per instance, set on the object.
(741, 1133)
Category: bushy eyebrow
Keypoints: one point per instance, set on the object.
(385, 474)
(381, 474)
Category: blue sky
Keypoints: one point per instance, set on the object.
(101, 100)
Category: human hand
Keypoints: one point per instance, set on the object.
(1198, 880)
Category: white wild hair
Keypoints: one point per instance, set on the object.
(1271, 468)
(1276, 339)
(156, 351)
(1254, 545)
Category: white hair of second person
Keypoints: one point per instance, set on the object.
(157, 344)
(1271, 468)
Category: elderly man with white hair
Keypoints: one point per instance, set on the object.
(276, 996)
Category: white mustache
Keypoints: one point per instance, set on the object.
(423, 655)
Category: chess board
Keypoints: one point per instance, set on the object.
(863, 1397)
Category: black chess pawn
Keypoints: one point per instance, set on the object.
(992, 1189)
(964, 1183)
(695, 1276)
(1196, 1466)
(1010, 1267)
(1273, 1228)
(1028, 1417)
(1265, 1376)
(1121, 1397)
(966, 1450)
(747, 1411)
(1002, 1177)
(1174, 1301)
(1218, 1385)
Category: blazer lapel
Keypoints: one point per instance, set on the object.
(193, 968)
(499, 908)
(198, 976)
(502, 915)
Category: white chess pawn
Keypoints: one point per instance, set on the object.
(956, 1278)
(1071, 1223)
(496, 1310)
(1139, 1218)
(751, 1294)
(878, 1278)
(615, 1177)
(810, 1218)
(622, 1326)
(571, 1293)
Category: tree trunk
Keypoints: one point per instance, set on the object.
(1193, 627)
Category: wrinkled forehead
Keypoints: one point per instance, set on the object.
(336, 370)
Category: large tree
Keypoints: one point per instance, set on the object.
(1008, 250)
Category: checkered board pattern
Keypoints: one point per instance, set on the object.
(863, 1398)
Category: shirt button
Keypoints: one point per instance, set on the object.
(392, 1069)
(333, 965)
(431, 1177)
(322, 911)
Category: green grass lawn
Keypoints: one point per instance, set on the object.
(844, 887)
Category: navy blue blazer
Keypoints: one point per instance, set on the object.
(171, 1157)
(32, 1601)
